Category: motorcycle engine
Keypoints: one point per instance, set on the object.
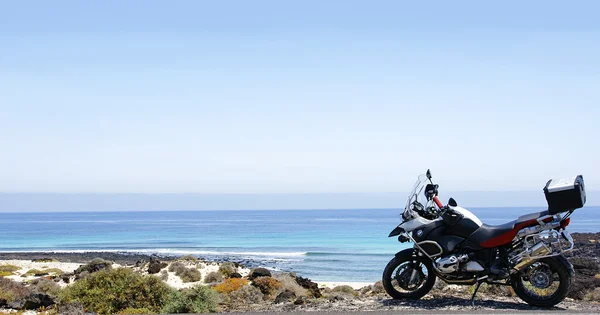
(451, 264)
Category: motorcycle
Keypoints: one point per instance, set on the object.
(451, 243)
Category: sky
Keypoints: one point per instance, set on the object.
(296, 97)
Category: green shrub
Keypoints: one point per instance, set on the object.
(176, 267)
(227, 268)
(8, 270)
(95, 265)
(110, 291)
(190, 275)
(345, 289)
(267, 285)
(186, 274)
(198, 299)
(213, 277)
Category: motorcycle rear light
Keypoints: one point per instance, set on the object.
(564, 223)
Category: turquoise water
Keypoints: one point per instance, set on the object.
(324, 245)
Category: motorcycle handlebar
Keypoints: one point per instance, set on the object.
(438, 202)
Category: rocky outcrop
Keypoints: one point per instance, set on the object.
(259, 272)
(32, 302)
(309, 285)
(285, 296)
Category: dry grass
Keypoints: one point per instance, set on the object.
(8, 270)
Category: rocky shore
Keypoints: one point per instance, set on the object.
(65, 283)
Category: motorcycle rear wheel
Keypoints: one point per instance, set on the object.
(399, 280)
(543, 284)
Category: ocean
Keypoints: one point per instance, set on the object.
(324, 245)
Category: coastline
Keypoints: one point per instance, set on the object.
(62, 269)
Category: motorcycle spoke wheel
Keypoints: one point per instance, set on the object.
(408, 277)
(545, 283)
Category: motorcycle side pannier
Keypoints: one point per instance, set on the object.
(565, 194)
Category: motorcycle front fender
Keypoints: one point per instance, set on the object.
(397, 231)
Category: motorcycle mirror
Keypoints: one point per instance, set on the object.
(428, 174)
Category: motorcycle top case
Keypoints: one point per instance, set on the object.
(565, 194)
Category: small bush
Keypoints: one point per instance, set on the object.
(246, 295)
(378, 287)
(198, 299)
(11, 290)
(110, 291)
(176, 267)
(213, 277)
(190, 275)
(289, 283)
(95, 265)
(227, 268)
(186, 274)
(135, 311)
(267, 285)
(45, 286)
(230, 285)
(164, 275)
(345, 289)
(593, 295)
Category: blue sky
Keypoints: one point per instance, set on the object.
(296, 96)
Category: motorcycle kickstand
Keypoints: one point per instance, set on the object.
(479, 282)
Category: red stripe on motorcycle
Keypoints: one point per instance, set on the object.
(508, 236)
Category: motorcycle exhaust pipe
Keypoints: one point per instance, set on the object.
(539, 249)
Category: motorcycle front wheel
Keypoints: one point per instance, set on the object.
(408, 276)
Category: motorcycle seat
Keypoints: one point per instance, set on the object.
(496, 235)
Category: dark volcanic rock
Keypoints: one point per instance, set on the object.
(301, 300)
(285, 296)
(312, 287)
(32, 302)
(584, 281)
(156, 266)
(259, 272)
(235, 275)
(66, 277)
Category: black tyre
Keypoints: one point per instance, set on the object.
(408, 276)
(545, 283)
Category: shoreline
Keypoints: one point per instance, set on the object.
(306, 295)
(131, 259)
